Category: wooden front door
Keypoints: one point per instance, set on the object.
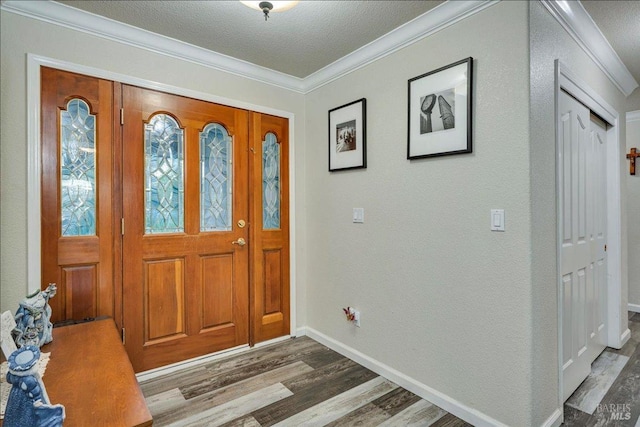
(186, 214)
(77, 239)
(170, 215)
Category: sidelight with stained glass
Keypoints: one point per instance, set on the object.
(270, 182)
(77, 169)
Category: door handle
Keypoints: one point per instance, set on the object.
(239, 242)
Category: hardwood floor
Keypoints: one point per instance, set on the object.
(610, 396)
(298, 382)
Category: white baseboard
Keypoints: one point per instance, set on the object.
(445, 402)
(442, 400)
(634, 307)
(554, 420)
(624, 338)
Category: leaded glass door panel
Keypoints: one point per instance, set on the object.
(186, 214)
(77, 239)
(270, 231)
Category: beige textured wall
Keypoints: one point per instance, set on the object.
(466, 311)
(443, 299)
(22, 35)
(548, 42)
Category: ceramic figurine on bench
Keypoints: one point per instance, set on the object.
(28, 403)
(33, 319)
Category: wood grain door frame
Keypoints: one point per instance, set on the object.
(34, 158)
(116, 204)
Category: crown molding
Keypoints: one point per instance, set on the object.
(89, 23)
(633, 116)
(428, 23)
(424, 25)
(578, 23)
(570, 14)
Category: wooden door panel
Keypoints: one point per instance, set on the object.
(272, 281)
(164, 302)
(217, 290)
(78, 251)
(80, 291)
(270, 244)
(194, 284)
(81, 264)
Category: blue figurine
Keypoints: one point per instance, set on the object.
(28, 403)
(33, 324)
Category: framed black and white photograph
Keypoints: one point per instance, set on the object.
(348, 136)
(440, 111)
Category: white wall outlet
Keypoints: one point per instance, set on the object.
(358, 215)
(356, 318)
(353, 315)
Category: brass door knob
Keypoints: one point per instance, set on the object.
(239, 242)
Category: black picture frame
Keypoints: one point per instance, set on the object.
(430, 134)
(347, 137)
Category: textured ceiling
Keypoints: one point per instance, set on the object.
(619, 21)
(315, 33)
(297, 42)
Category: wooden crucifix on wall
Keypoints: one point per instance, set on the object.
(632, 156)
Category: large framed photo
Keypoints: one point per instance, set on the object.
(348, 136)
(440, 111)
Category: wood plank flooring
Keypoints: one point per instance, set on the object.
(298, 382)
(610, 396)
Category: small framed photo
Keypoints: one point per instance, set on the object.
(440, 111)
(348, 136)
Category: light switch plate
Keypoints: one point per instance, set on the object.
(358, 215)
(497, 219)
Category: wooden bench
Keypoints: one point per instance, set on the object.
(90, 374)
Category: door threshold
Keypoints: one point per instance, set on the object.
(201, 360)
(189, 363)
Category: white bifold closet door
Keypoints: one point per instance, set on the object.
(582, 174)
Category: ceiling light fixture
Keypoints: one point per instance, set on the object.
(270, 6)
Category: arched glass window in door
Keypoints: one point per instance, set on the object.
(270, 182)
(77, 169)
(215, 178)
(164, 175)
